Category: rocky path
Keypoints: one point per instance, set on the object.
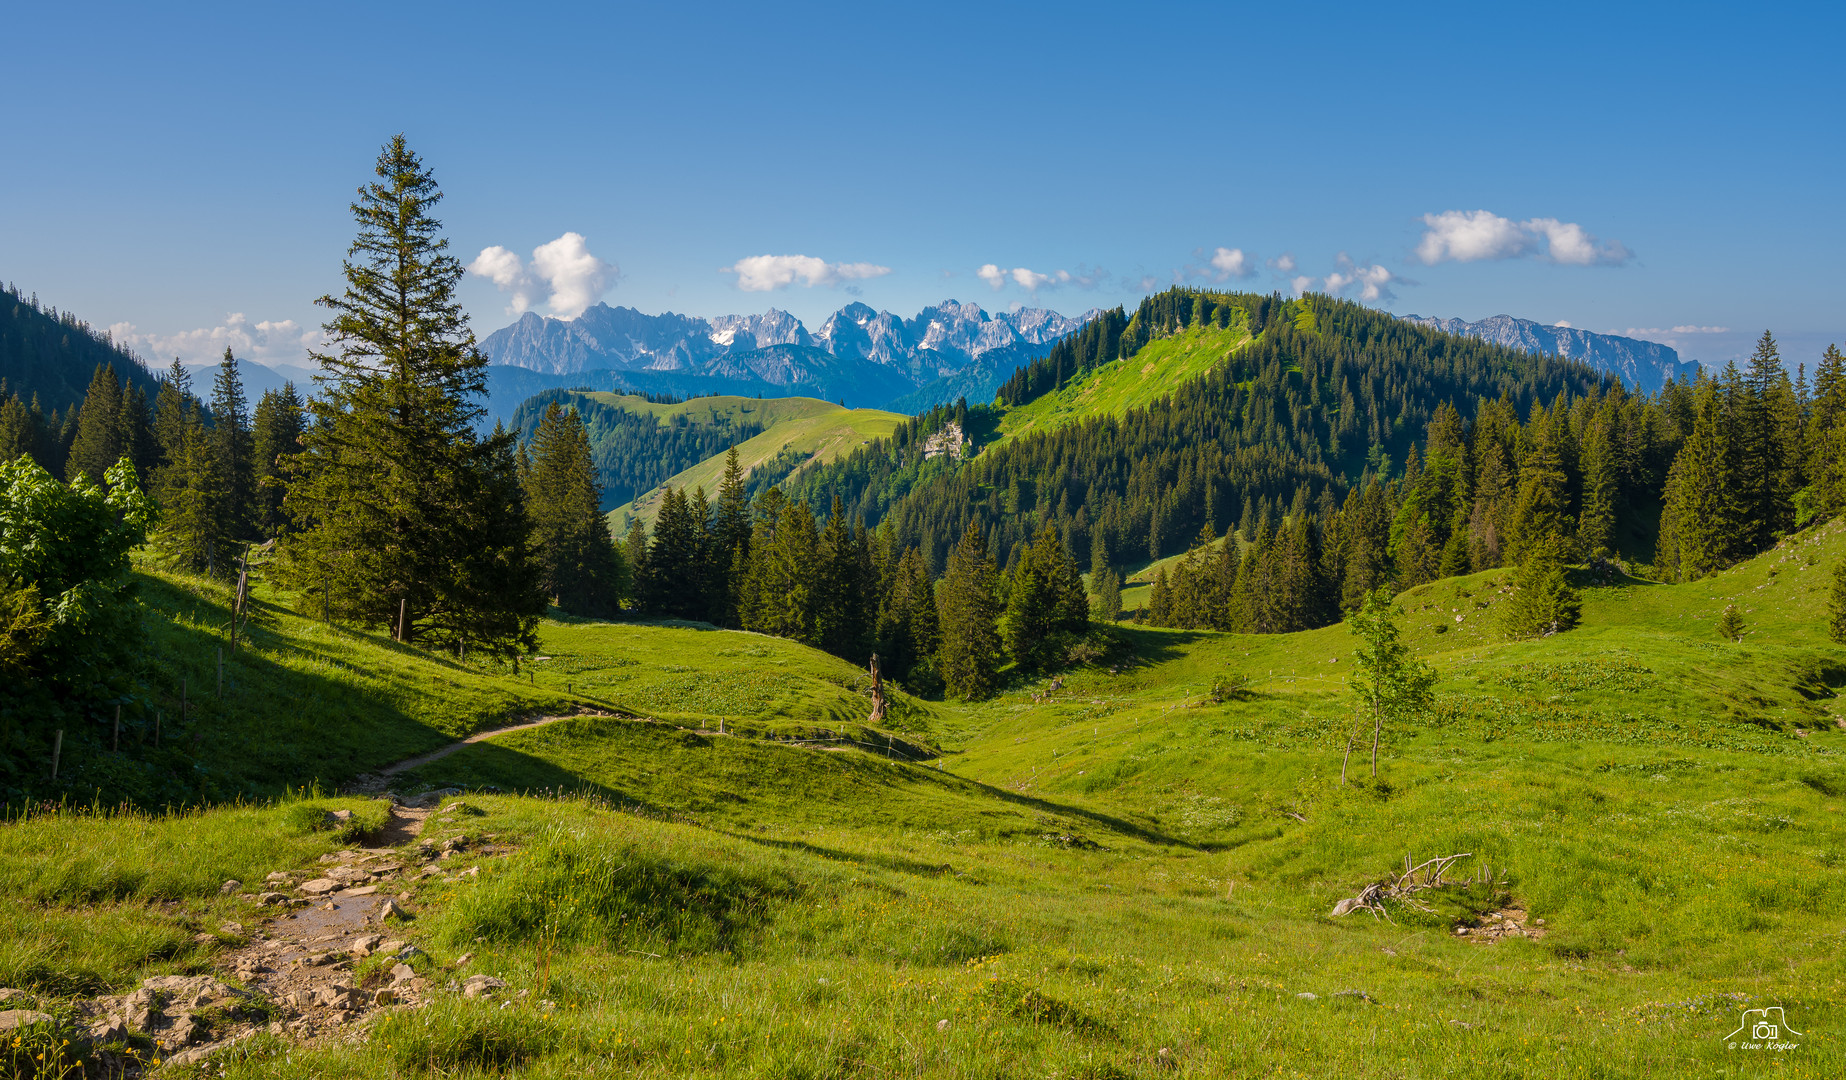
(333, 945)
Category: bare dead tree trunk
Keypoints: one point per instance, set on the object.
(1377, 728)
(878, 694)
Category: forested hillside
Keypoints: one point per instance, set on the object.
(51, 355)
(1327, 392)
(634, 447)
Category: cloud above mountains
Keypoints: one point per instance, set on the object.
(1481, 235)
(269, 341)
(563, 272)
(764, 273)
(1032, 281)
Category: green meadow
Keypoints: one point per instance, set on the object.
(722, 870)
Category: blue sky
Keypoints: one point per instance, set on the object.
(184, 173)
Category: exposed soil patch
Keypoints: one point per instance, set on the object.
(1509, 921)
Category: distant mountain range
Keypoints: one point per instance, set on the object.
(858, 356)
(1642, 365)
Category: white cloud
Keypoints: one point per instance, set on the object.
(1300, 285)
(996, 276)
(1283, 263)
(1481, 235)
(763, 273)
(1028, 280)
(1564, 323)
(1701, 329)
(563, 270)
(1374, 281)
(1228, 263)
(271, 341)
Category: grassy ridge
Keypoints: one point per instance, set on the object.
(807, 426)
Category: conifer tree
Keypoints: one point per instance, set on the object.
(275, 433)
(1730, 623)
(191, 525)
(635, 556)
(967, 608)
(731, 539)
(171, 406)
(840, 590)
(1046, 605)
(399, 504)
(1765, 483)
(99, 434)
(1601, 487)
(136, 431)
(232, 443)
(1700, 526)
(580, 567)
(1539, 514)
(1160, 600)
(1543, 600)
(1822, 442)
(909, 635)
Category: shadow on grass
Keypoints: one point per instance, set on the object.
(886, 862)
(292, 712)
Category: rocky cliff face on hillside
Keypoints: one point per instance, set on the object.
(1642, 365)
(866, 356)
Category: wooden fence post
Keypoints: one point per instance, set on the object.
(116, 746)
(156, 729)
(400, 620)
(57, 747)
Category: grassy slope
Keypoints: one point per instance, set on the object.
(1135, 863)
(302, 702)
(1132, 382)
(820, 428)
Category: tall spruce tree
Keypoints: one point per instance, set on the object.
(232, 443)
(99, 432)
(174, 411)
(400, 505)
(1701, 524)
(968, 606)
(1765, 480)
(580, 567)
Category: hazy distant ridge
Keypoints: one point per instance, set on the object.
(1642, 365)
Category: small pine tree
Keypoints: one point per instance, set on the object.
(1730, 624)
(1543, 600)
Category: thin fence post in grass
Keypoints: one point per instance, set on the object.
(401, 604)
(57, 747)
